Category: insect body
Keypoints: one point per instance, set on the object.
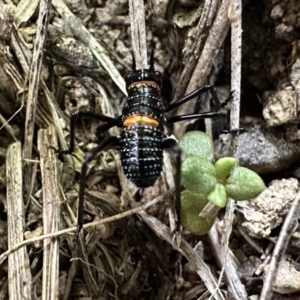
(142, 140)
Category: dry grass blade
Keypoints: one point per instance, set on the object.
(18, 263)
(7, 127)
(22, 52)
(43, 117)
(192, 49)
(10, 79)
(51, 204)
(25, 10)
(16, 247)
(33, 88)
(225, 261)
(54, 109)
(138, 33)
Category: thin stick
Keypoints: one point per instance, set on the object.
(236, 56)
(235, 15)
(289, 226)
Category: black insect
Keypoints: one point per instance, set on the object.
(142, 138)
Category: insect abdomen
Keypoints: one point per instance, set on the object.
(142, 154)
(142, 131)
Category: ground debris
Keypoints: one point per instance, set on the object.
(269, 209)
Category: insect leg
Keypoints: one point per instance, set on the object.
(203, 115)
(104, 127)
(109, 142)
(195, 94)
(79, 115)
(172, 146)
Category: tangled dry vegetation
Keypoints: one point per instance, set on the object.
(128, 253)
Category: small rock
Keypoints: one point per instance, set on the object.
(277, 12)
(269, 209)
(287, 279)
(281, 107)
(260, 149)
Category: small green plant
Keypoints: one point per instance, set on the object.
(208, 184)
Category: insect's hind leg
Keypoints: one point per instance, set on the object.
(79, 115)
(110, 142)
(171, 145)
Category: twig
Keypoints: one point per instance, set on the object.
(289, 225)
(138, 32)
(235, 15)
(236, 40)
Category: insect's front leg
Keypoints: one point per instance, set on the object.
(194, 94)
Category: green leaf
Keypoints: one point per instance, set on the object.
(198, 175)
(218, 195)
(191, 206)
(244, 184)
(196, 143)
(224, 166)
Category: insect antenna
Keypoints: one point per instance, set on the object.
(151, 67)
(133, 62)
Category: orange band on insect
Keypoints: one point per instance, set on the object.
(140, 119)
(145, 82)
